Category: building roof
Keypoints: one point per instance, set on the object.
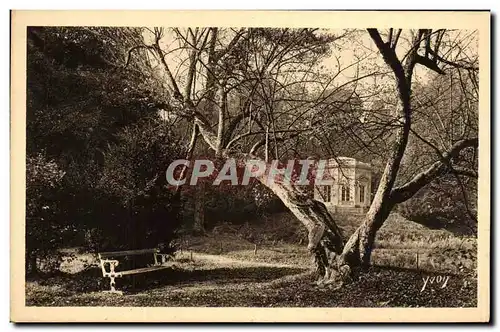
(348, 162)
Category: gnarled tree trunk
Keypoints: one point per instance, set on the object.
(325, 241)
(199, 209)
(335, 258)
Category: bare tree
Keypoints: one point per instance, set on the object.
(265, 87)
(360, 245)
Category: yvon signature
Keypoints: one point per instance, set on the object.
(438, 280)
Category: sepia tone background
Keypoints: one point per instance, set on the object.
(20, 20)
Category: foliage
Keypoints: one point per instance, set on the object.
(442, 205)
(445, 112)
(45, 229)
(140, 210)
(78, 98)
(94, 112)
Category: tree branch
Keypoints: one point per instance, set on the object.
(161, 56)
(189, 153)
(231, 44)
(220, 125)
(451, 63)
(129, 56)
(395, 42)
(465, 171)
(406, 191)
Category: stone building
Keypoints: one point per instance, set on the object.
(351, 189)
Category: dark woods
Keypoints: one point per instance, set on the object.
(106, 115)
(96, 147)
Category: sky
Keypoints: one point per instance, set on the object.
(345, 55)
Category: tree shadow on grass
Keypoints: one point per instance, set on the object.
(376, 287)
(218, 276)
(88, 280)
(458, 228)
(91, 280)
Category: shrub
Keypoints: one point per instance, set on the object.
(45, 230)
(442, 205)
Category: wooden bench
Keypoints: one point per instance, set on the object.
(104, 259)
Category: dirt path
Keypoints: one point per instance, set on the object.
(222, 273)
(221, 260)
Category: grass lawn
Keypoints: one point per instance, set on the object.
(212, 280)
(228, 269)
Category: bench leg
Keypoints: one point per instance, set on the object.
(112, 284)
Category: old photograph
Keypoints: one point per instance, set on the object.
(252, 166)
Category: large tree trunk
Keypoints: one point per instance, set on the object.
(325, 241)
(358, 249)
(335, 261)
(199, 209)
(361, 243)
